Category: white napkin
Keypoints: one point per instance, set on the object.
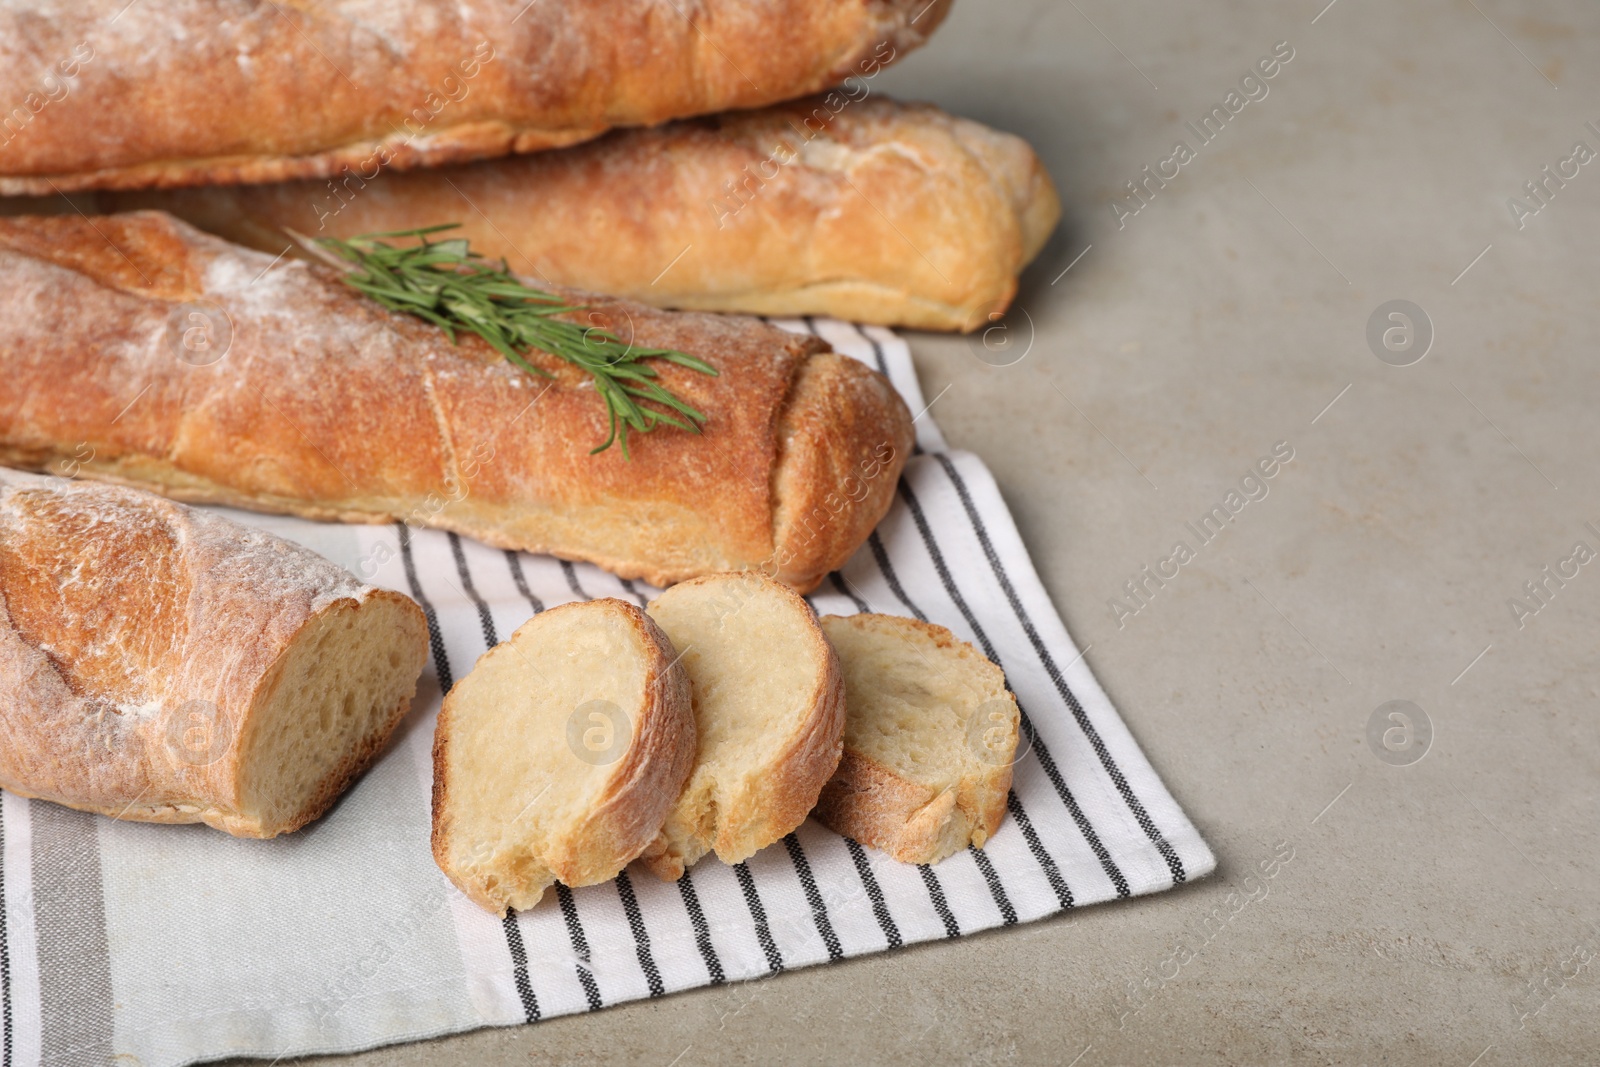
(163, 945)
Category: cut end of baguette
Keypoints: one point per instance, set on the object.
(930, 737)
(769, 712)
(324, 712)
(559, 755)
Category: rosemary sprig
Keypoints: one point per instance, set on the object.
(447, 284)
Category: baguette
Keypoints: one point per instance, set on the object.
(141, 351)
(929, 740)
(559, 755)
(769, 712)
(866, 210)
(108, 94)
(167, 665)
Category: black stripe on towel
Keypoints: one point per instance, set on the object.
(759, 915)
(1045, 759)
(1045, 860)
(881, 555)
(522, 582)
(996, 890)
(627, 583)
(1168, 853)
(572, 580)
(869, 882)
(5, 952)
(641, 936)
(484, 618)
(702, 929)
(940, 905)
(877, 350)
(1059, 884)
(840, 584)
(580, 947)
(819, 909)
(441, 666)
(519, 965)
(441, 662)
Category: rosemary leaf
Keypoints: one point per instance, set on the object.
(447, 284)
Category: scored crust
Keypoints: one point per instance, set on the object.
(627, 814)
(879, 805)
(323, 404)
(775, 794)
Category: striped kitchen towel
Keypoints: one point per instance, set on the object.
(163, 945)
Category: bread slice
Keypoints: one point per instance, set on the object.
(929, 739)
(560, 754)
(769, 711)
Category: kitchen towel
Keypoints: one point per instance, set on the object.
(165, 945)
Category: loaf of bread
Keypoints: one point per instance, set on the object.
(769, 712)
(165, 664)
(111, 94)
(864, 209)
(929, 740)
(138, 350)
(559, 755)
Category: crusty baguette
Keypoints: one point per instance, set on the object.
(110, 94)
(325, 405)
(929, 740)
(769, 711)
(867, 210)
(559, 755)
(164, 664)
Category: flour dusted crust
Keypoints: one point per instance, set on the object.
(327, 406)
(128, 623)
(867, 210)
(184, 92)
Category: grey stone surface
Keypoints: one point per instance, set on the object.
(1440, 912)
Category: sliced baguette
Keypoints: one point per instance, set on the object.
(560, 754)
(930, 736)
(769, 712)
(165, 664)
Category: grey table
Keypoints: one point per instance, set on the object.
(1438, 911)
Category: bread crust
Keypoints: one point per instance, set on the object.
(866, 209)
(119, 613)
(910, 820)
(220, 91)
(627, 815)
(776, 797)
(326, 406)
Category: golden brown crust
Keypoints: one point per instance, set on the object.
(778, 796)
(121, 616)
(867, 210)
(658, 762)
(800, 774)
(326, 406)
(196, 91)
(625, 819)
(868, 802)
(909, 820)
